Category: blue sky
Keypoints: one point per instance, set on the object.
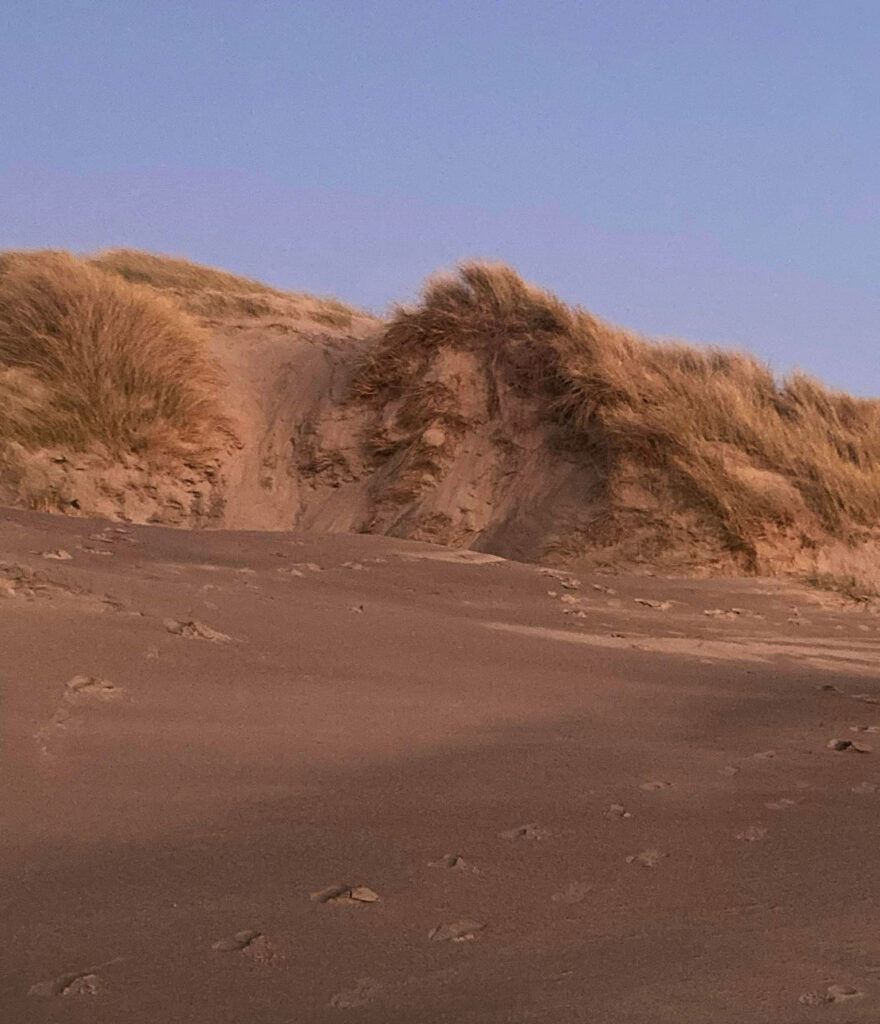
(700, 169)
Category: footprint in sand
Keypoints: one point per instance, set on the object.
(76, 983)
(566, 579)
(68, 985)
(531, 831)
(647, 858)
(832, 994)
(192, 630)
(463, 930)
(452, 862)
(752, 834)
(865, 788)
(252, 944)
(79, 693)
(865, 698)
(576, 892)
(616, 812)
(350, 894)
(781, 804)
(841, 745)
(654, 786)
(363, 992)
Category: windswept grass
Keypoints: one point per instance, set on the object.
(751, 454)
(169, 273)
(89, 359)
(216, 294)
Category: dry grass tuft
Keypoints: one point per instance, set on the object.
(169, 273)
(751, 455)
(217, 295)
(88, 359)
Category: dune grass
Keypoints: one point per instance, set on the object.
(750, 453)
(217, 294)
(89, 359)
(170, 273)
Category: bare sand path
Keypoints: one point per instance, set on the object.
(265, 778)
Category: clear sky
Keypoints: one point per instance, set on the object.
(704, 169)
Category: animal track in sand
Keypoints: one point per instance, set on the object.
(350, 894)
(530, 831)
(250, 943)
(463, 930)
(647, 858)
(576, 892)
(192, 630)
(832, 994)
(363, 992)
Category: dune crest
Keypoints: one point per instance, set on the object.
(489, 416)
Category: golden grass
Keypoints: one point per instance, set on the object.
(169, 273)
(216, 294)
(88, 359)
(750, 454)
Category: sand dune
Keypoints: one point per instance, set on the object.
(488, 416)
(478, 679)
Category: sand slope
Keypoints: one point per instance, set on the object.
(574, 800)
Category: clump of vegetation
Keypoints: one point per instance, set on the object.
(749, 453)
(216, 294)
(169, 273)
(91, 359)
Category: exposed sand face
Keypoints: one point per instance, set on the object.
(277, 778)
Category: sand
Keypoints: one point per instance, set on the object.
(266, 778)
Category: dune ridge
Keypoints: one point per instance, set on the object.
(490, 415)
